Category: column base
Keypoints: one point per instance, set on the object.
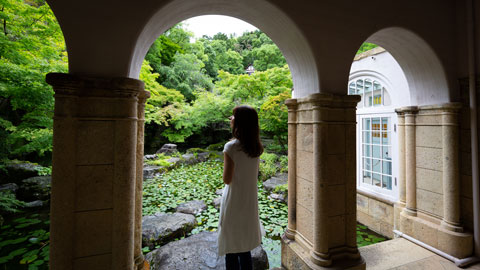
(454, 227)
(290, 234)
(140, 262)
(433, 233)
(410, 212)
(295, 256)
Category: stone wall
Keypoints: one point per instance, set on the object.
(432, 208)
(375, 213)
(466, 156)
(436, 205)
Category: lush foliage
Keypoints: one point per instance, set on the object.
(25, 241)
(366, 47)
(9, 203)
(31, 45)
(209, 73)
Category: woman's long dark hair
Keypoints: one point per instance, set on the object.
(246, 130)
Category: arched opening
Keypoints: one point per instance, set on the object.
(269, 83)
(262, 14)
(405, 159)
(425, 74)
(377, 77)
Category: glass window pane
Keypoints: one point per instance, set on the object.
(377, 99)
(387, 167)
(366, 123)
(386, 138)
(376, 151)
(387, 182)
(367, 164)
(387, 152)
(366, 137)
(367, 177)
(351, 89)
(366, 150)
(376, 165)
(385, 124)
(359, 86)
(368, 85)
(376, 179)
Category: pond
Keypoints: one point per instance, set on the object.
(24, 238)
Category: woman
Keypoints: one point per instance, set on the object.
(239, 226)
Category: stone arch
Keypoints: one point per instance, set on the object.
(426, 77)
(271, 20)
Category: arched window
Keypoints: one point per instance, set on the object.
(374, 131)
(372, 92)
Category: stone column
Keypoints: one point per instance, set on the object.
(319, 255)
(94, 167)
(292, 166)
(410, 162)
(401, 158)
(325, 236)
(451, 193)
(138, 254)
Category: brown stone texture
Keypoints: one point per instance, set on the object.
(378, 216)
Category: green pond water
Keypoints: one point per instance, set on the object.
(365, 237)
(24, 242)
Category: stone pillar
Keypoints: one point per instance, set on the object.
(320, 255)
(451, 185)
(401, 158)
(292, 166)
(325, 235)
(410, 162)
(138, 254)
(94, 167)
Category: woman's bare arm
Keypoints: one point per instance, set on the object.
(228, 167)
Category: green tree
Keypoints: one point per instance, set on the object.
(163, 103)
(268, 56)
(230, 61)
(185, 74)
(273, 118)
(366, 47)
(162, 52)
(31, 45)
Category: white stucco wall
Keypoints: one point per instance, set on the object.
(380, 64)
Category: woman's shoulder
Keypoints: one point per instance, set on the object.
(230, 145)
(232, 142)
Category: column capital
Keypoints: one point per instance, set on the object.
(84, 85)
(292, 104)
(407, 110)
(331, 100)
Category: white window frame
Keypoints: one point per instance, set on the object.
(391, 195)
(374, 112)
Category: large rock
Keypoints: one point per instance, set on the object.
(278, 197)
(35, 188)
(150, 171)
(191, 207)
(16, 172)
(217, 201)
(198, 251)
(278, 180)
(168, 148)
(164, 227)
(148, 157)
(9, 186)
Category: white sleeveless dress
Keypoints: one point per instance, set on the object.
(239, 227)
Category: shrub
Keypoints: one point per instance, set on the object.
(268, 167)
(283, 163)
(9, 203)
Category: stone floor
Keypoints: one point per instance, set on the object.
(401, 254)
